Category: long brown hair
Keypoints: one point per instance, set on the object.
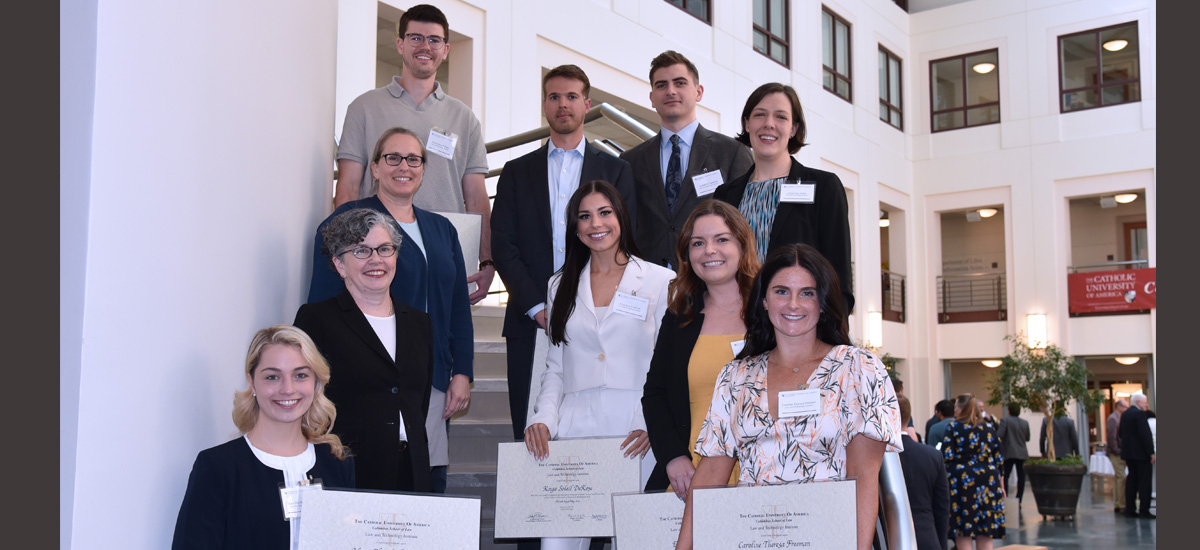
(687, 287)
(968, 411)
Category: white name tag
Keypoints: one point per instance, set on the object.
(798, 192)
(737, 346)
(441, 143)
(799, 403)
(707, 182)
(630, 306)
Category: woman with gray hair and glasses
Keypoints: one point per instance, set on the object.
(430, 276)
(380, 351)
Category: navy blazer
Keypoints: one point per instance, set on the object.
(824, 224)
(232, 499)
(666, 400)
(928, 493)
(522, 243)
(658, 226)
(434, 282)
(371, 390)
(1137, 441)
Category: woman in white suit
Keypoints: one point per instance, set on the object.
(606, 305)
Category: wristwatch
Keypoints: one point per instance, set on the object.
(486, 263)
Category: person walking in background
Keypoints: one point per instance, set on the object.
(972, 453)
(1014, 434)
(927, 484)
(945, 408)
(937, 417)
(1137, 448)
(1112, 448)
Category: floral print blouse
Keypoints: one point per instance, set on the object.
(856, 398)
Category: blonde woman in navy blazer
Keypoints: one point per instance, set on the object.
(598, 358)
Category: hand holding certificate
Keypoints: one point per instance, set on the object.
(795, 515)
(347, 520)
(566, 494)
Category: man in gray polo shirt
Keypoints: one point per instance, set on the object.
(456, 163)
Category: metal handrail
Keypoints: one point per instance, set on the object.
(605, 110)
(895, 513)
(1132, 263)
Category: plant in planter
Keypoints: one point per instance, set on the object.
(1046, 380)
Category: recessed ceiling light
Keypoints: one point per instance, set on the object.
(992, 363)
(1116, 45)
(1126, 198)
(987, 212)
(984, 68)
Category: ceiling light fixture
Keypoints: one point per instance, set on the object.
(984, 68)
(883, 219)
(987, 212)
(992, 363)
(1116, 45)
(1127, 360)
(1126, 198)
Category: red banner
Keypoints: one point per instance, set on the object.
(1120, 290)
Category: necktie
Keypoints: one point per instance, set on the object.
(674, 174)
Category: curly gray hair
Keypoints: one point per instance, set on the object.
(349, 229)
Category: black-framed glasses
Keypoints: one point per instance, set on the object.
(393, 159)
(364, 252)
(415, 40)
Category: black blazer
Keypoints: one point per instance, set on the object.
(521, 238)
(824, 225)
(928, 492)
(1137, 442)
(666, 402)
(658, 228)
(369, 388)
(232, 499)
(1066, 439)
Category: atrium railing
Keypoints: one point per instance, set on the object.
(603, 110)
(1109, 266)
(972, 298)
(894, 296)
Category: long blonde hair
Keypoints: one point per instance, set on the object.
(968, 410)
(318, 420)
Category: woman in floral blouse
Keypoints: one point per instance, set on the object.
(972, 453)
(797, 342)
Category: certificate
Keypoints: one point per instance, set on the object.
(646, 521)
(358, 520)
(568, 494)
(798, 515)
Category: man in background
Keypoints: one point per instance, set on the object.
(1066, 439)
(945, 408)
(927, 485)
(1112, 448)
(1137, 448)
(1014, 434)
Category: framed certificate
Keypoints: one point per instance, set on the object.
(358, 520)
(569, 494)
(646, 521)
(798, 515)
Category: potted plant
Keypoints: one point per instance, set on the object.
(1046, 380)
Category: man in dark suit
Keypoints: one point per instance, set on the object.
(1066, 439)
(928, 486)
(530, 223)
(1137, 448)
(683, 164)
(1014, 436)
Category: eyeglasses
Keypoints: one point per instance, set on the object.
(415, 40)
(393, 159)
(364, 252)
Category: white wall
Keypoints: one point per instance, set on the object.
(210, 165)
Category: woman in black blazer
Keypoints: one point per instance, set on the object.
(784, 201)
(381, 353)
(233, 500)
(701, 332)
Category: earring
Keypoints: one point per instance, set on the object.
(253, 394)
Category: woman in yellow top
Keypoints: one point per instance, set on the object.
(701, 332)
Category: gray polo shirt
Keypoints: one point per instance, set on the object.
(374, 112)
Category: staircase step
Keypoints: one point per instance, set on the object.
(473, 445)
(489, 402)
(488, 321)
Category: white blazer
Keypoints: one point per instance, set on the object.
(615, 357)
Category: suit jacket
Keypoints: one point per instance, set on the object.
(434, 282)
(666, 400)
(1066, 440)
(370, 389)
(232, 498)
(658, 227)
(1137, 442)
(824, 224)
(615, 355)
(1112, 444)
(1014, 433)
(928, 493)
(521, 238)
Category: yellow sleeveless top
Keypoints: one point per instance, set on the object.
(711, 354)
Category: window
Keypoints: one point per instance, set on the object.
(698, 8)
(835, 53)
(1098, 68)
(965, 90)
(889, 88)
(771, 29)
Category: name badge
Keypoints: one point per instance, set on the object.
(441, 143)
(630, 306)
(798, 192)
(737, 346)
(293, 498)
(799, 403)
(707, 182)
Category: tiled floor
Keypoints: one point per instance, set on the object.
(1095, 526)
